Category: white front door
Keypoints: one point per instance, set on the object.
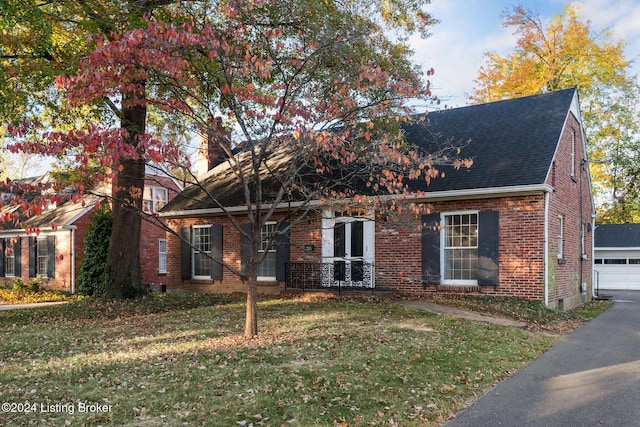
(347, 250)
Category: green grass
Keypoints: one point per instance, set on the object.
(181, 360)
(521, 309)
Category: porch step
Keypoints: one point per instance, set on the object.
(334, 292)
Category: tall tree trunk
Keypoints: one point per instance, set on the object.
(251, 318)
(123, 260)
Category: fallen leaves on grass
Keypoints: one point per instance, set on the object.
(183, 361)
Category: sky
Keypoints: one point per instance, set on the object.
(468, 28)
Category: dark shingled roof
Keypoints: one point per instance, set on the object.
(222, 183)
(617, 236)
(511, 143)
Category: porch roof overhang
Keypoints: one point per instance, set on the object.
(436, 196)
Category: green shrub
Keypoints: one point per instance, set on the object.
(34, 286)
(93, 275)
(18, 284)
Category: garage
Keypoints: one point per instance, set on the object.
(617, 257)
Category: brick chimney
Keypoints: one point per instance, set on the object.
(210, 152)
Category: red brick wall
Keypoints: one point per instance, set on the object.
(305, 233)
(63, 255)
(398, 263)
(572, 200)
(521, 247)
(150, 235)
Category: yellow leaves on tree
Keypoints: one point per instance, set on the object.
(563, 54)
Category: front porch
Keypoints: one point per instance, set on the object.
(336, 276)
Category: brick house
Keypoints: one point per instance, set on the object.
(517, 223)
(49, 246)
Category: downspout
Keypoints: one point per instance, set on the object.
(594, 295)
(583, 232)
(546, 249)
(72, 228)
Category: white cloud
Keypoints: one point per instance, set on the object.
(622, 17)
(468, 28)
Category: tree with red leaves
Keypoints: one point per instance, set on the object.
(320, 84)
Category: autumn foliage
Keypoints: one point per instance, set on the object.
(321, 81)
(568, 52)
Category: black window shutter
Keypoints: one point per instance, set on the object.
(282, 253)
(216, 252)
(185, 253)
(17, 253)
(488, 226)
(245, 247)
(339, 240)
(32, 257)
(51, 257)
(431, 249)
(3, 248)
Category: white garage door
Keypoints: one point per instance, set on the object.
(618, 269)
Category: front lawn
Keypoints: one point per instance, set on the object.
(181, 360)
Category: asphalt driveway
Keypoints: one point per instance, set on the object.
(589, 378)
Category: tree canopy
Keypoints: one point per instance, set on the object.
(321, 81)
(568, 52)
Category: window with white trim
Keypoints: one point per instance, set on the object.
(42, 260)
(560, 236)
(582, 241)
(9, 262)
(162, 256)
(573, 153)
(201, 252)
(460, 254)
(267, 268)
(153, 198)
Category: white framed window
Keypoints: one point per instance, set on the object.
(42, 257)
(267, 268)
(573, 153)
(153, 198)
(201, 261)
(560, 236)
(9, 263)
(460, 248)
(162, 256)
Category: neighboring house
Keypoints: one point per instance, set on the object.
(517, 223)
(617, 257)
(49, 247)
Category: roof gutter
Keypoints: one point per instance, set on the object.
(474, 193)
(482, 193)
(192, 213)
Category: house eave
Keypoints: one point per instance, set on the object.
(616, 248)
(482, 193)
(232, 210)
(467, 194)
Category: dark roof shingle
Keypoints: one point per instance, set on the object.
(511, 143)
(617, 236)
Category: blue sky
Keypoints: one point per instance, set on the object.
(468, 28)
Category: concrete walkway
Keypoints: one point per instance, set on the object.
(39, 304)
(591, 377)
(455, 312)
